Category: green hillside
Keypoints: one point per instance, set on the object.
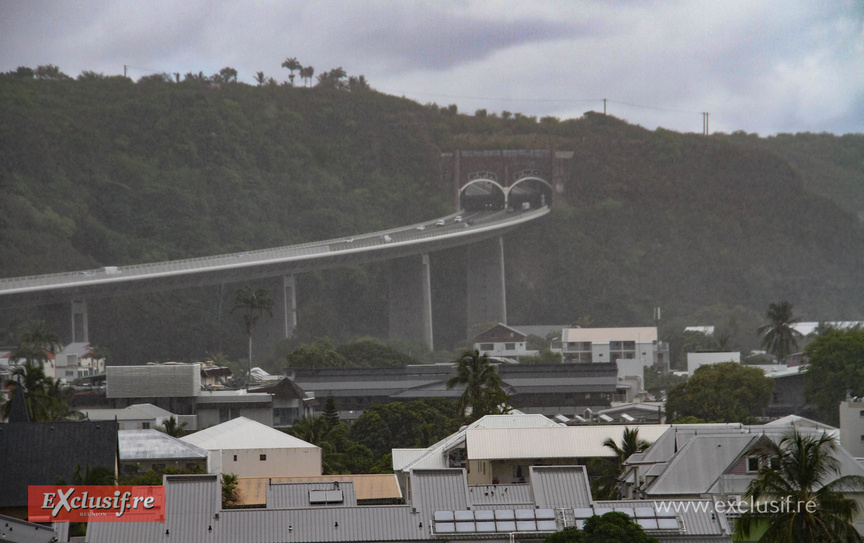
(105, 171)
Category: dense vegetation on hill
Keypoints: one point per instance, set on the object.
(106, 171)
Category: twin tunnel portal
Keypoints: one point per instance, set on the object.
(498, 194)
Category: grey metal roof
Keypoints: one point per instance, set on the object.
(15, 530)
(439, 489)
(138, 445)
(496, 496)
(560, 486)
(697, 516)
(298, 495)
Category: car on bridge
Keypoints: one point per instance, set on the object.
(440, 223)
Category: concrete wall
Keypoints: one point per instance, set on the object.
(852, 427)
(156, 381)
(694, 360)
(299, 462)
(209, 415)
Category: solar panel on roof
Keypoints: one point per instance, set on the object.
(645, 512)
(666, 512)
(544, 514)
(524, 514)
(447, 527)
(505, 526)
(463, 515)
(465, 527)
(600, 511)
(504, 514)
(485, 526)
(647, 523)
(484, 514)
(547, 525)
(625, 510)
(587, 512)
(526, 526)
(580, 523)
(441, 516)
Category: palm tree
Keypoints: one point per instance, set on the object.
(795, 473)
(254, 304)
(35, 343)
(483, 386)
(778, 336)
(306, 73)
(172, 427)
(605, 487)
(260, 78)
(292, 65)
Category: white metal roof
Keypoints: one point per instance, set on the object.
(137, 445)
(558, 442)
(601, 335)
(243, 433)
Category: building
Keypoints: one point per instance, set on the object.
(852, 426)
(501, 448)
(248, 448)
(502, 341)
(290, 402)
(136, 417)
(367, 489)
(77, 360)
(632, 349)
(145, 450)
(217, 406)
(546, 389)
(441, 507)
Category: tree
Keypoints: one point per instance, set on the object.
(253, 304)
(778, 336)
(228, 75)
(292, 65)
(610, 528)
(172, 427)
(97, 475)
(724, 392)
(35, 344)
(260, 78)
(835, 368)
(331, 415)
(802, 472)
(605, 487)
(483, 386)
(334, 79)
(306, 73)
(230, 492)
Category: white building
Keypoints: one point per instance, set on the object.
(250, 449)
(852, 426)
(694, 360)
(502, 341)
(138, 417)
(633, 349)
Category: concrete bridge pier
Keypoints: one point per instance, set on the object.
(486, 292)
(283, 291)
(80, 330)
(411, 299)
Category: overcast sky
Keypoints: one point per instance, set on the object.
(758, 66)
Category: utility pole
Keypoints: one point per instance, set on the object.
(705, 130)
(604, 106)
(124, 70)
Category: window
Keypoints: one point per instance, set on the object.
(145, 425)
(753, 464)
(861, 413)
(509, 346)
(235, 457)
(262, 457)
(487, 347)
(191, 467)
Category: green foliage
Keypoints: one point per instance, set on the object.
(230, 492)
(155, 477)
(331, 415)
(605, 487)
(420, 423)
(546, 356)
(172, 427)
(778, 336)
(483, 393)
(835, 367)
(657, 382)
(321, 354)
(803, 472)
(610, 528)
(97, 475)
(372, 352)
(724, 392)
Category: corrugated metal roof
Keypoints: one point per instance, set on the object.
(560, 486)
(299, 495)
(697, 516)
(559, 442)
(136, 445)
(14, 530)
(496, 496)
(243, 433)
(438, 490)
(599, 335)
(141, 411)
